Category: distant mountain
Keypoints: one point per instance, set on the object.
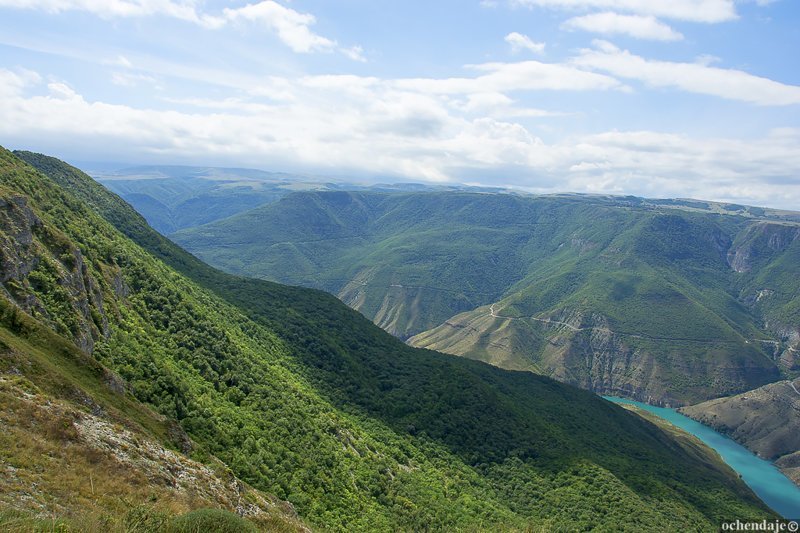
(172, 198)
(304, 398)
(175, 197)
(667, 301)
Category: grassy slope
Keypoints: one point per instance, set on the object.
(658, 278)
(59, 469)
(319, 406)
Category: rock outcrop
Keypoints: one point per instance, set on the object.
(765, 420)
(38, 267)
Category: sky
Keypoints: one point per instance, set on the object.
(655, 98)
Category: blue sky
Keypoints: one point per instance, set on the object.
(660, 98)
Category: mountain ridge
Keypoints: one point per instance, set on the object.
(427, 439)
(418, 264)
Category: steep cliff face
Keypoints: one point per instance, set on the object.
(41, 269)
(583, 349)
(759, 243)
(767, 256)
(765, 420)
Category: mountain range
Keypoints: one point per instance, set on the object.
(667, 301)
(172, 198)
(133, 356)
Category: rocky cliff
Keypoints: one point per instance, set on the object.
(765, 420)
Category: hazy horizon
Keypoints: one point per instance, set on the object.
(686, 98)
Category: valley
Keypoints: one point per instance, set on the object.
(760, 474)
(663, 301)
(305, 400)
(766, 420)
(591, 309)
(522, 266)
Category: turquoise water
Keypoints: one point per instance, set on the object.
(762, 476)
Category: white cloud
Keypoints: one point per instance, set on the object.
(401, 132)
(691, 10)
(521, 42)
(356, 53)
(509, 77)
(482, 102)
(184, 10)
(120, 61)
(707, 59)
(228, 104)
(13, 83)
(691, 77)
(291, 27)
(127, 79)
(668, 165)
(637, 26)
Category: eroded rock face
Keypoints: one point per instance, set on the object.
(17, 253)
(583, 349)
(171, 475)
(590, 354)
(786, 351)
(758, 242)
(766, 420)
(39, 269)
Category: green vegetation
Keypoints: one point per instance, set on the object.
(306, 399)
(618, 296)
(79, 453)
(203, 520)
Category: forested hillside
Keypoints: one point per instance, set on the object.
(668, 302)
(305, 399)
(78, 451)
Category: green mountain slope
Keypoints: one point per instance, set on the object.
(608, 294)
(306, 399)
(78, 452)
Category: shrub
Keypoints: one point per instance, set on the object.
(216, 520)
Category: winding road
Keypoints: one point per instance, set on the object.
(493, 314)
(546, 320)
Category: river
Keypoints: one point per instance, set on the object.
(763, 477)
